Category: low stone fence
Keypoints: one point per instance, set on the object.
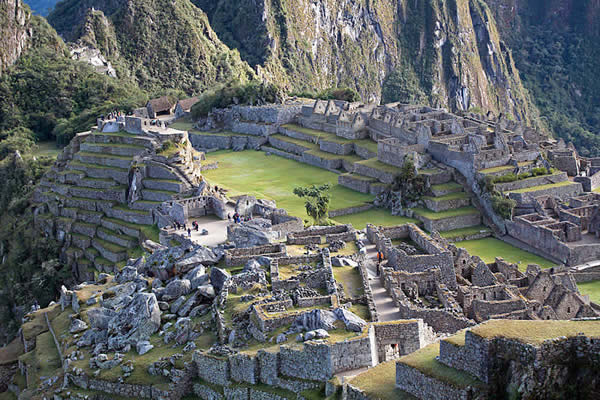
(530, 182)
(242, 256)
(350, 210)
(562, 192)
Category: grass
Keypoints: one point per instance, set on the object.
(182, 125)
(462, 232)
(149, 231)
(378, 165)
(490, 248)
(592, 289)
(10, 353)
(274, 178)
(112, 247)
(380, 383)
(103, 155)
(46, 149)
(351, 279)
(542, 187)
(375, 216)
(362, 311)
(458, 339)
(457, 212)
(447, 186)
(219, 133)
(449, 196)
(424, 360)
(496, 169)
(597, 190)
(535, 332)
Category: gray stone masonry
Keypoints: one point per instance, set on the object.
(450, 223)
(531, 182)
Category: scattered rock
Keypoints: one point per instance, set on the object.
(143, 347)
(218, 277)
(77, 326)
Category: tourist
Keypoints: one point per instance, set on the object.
(229, 217)
(189, 232)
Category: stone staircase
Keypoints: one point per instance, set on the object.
(357, 158)
(448, 208)
(84, 201)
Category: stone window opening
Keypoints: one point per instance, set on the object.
(547, 317)
(494, 295)
(544, 289)
(484, 296)
(568, 309)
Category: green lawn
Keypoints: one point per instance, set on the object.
(541, 187)
(47, 148)
(592, 289)
(490, 248)
(445, 214)
(274, 178)
(380, 383)
(535, 332)
(375, 216)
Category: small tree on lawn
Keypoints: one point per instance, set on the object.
(317, 201)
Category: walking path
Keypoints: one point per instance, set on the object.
(216, 227)
(386, 309)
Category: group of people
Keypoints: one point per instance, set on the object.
(237, 218)
(158, 122)
(194, 227)
(113, 115)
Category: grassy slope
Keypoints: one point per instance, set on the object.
(274, 178)
(535, 332)
(489, 248)
(592, 289)
(380, 383)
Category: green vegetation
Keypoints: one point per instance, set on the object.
(274, 178)
(535, 332)
(350, 278)
(409, 183)
(424, 360)
(378, 165)
(591, 289)
(380, 383)
(375, 216)
(542, 187)
(252, 93)
(489, 248)
(345, 94)
(503, 206)
(317, 199)
(522, 176)
(449, 196)
(445, 214)
(463, 232)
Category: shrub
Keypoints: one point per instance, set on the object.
(503, 206)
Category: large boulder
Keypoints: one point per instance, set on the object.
(99, 317)
(352, 321)
(315, 319)
(256, 232)
(127, 274)
(177, 288)
(218, 277)
(197, 276)
(136, 322)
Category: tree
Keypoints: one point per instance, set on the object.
(317, 201)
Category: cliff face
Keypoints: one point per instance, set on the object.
(14, 31)
(159, 43)
(450, 48)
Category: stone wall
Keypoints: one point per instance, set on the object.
(422, 386)
(254, 128)
(589, 183)
(350, 210)
(273, 114)
(562, 192)
(213, 369)
(529, 182)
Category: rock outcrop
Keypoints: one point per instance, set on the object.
(14, 30)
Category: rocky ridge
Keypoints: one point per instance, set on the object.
(15, 31)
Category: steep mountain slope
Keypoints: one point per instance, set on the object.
(161, 43)
(555, 45)
(14, 31)
(447, 50)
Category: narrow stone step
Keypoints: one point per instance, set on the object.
(117, 193)
(445, 188)
(85, 229)
(436, 176)
(98, 183)
(129, 215)
(118, 149)
(116, 238)
(104, 265)
(171, 185)
(157, 195)
(100, 171)
(447, 202)
(117, 225)
(145, 205)
(110, 251)
(291, 145)
(81, 241)
(448, 220)
(356, 182)
(91, 253)
(103, 159)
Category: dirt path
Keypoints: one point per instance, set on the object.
(386, 309)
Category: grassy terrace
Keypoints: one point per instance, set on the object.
(380, 383)
(149, 231)
(424, 360)
(375, 216)
(472, 230)
(219, 133)
(490, 248)
(103, 155)
(274, 178)
(447, 186)
(445, 214)
(331, 137)
(542, 187)
(535, 332)
(503, 168)
(449, 196)
(592, 289)
(378, 165)
(77, 163)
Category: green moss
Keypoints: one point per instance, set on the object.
(457, 212)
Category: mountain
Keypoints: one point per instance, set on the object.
(447, 52)
(555, 46)
(158, 43)
(14, 30)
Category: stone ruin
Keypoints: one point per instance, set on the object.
(451, 290)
